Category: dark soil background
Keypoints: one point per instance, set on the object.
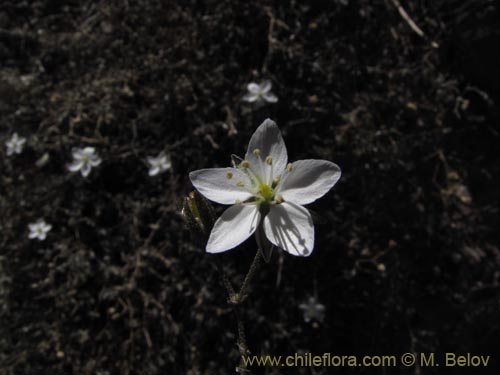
(407, 243)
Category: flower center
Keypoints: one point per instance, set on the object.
(266, 192)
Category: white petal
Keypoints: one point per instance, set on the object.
(308, 180)
(21, 141)
(268, 140)
(250, 97)
(95, 160)
(32, 235)
(76, 153)
(47, 227)
(10, 150)
(270, 97)
(235, 225)
(165, 165)
(151, 160)
(86, 167)
(253, 88)
(153, 171)
(42, 235)
(290, 227)
(89, 151)
(75, 166)
(221, 184)
(265, 87)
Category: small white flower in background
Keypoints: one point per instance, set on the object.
(83, 160)
(15, 144)
(260, 92)
(267, 195)
(159, 164)
(39, 230)
(313, 310)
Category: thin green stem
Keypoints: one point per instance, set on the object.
(236, 299)
(251, 272)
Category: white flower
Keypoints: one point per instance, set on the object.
(266, 194)
(260, 92)
(39, 230)
(83, 160)
(313, 310)
(15, 144)
(159, 164)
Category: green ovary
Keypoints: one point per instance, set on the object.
(266, 192)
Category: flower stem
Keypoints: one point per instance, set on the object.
(250, 274)
(236, 299)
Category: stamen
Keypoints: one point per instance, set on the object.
(254, 178)
(261, 167)
(237, 201)
(269, 161)
(289, 167)
(229, 175)
(276, 181)
(256, 152)
(240, 184)
(279, 199)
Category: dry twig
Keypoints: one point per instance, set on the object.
(412, 23)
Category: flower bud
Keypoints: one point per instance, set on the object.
(198, 214)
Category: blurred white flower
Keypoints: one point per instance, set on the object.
(15, 144)
(83, 160)
(267, 195)
(39, 230)
(159, 164)
(260, 92)
(313, 310)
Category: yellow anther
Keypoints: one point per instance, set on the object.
(229, 175)
(289, 167)
(240, 184)
(245, 164)
(269, 160)
(279, 199)
(256, 152)
(237, 201)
